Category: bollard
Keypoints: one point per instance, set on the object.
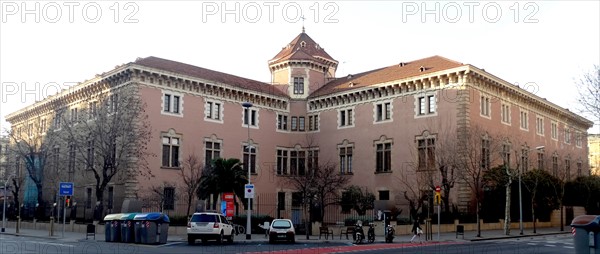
(18, 224)
(51, 232)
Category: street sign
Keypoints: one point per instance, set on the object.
(438, 189)
(65, 189)
(249, 193)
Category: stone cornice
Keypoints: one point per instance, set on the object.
(522, 95)
(391, 89)
(209, 88)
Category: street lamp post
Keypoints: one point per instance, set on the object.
(4, 203)
(247, 106)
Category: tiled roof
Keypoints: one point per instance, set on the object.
(295, 51)
(386, 74)
(218, 77)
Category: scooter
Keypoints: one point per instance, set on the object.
(359, 234)
(389, 233)
(371, 233)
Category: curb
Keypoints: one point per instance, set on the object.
(515, 236)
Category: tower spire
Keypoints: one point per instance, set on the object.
(303, 23)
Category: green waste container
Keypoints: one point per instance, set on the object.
(127, 227)
(112, 228)
(586, 235)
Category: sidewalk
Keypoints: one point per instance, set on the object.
(260, 238)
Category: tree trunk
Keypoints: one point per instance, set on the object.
(39, 210)
(189, 205)
(533, 214)
(507, 208)
(562, 224)
(306, 221)
(99, 211)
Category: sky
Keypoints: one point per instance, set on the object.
(545, 46)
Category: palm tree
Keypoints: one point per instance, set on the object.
(223, 175)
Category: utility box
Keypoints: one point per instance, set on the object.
(112, 227)
(586, 234)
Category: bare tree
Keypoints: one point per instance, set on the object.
(415, 184)
(111, 139)
(588, 87)
(32, 142)
(358, 198)
(474, 158)
(190, 173)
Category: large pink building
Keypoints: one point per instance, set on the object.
(381, 127)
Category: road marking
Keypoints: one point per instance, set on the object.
(569, 247)
(549, 245)
(169, 244)
(532, 243)
(54, 244)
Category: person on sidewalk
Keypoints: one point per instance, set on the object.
(417, 231)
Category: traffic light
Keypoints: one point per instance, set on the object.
(68, 201)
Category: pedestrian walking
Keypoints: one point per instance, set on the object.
(417, 231)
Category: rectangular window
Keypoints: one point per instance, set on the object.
(346, 117)
(524, 120)
(282, 122)
(249, 116)
(213, 151)
(506, 155)
(56, 158)
(282, 162)
(91, 151)
(383, 111)
(71, 168)
(170, 152)
(172, 103)
(213, 110)
(111, 196)
(426, 154)
(554, 130)
(298, 85)
(426, 104)
(383, 157)
(567, 135)
(169, 198)
(579, 169)
(301, 123)
(505, 113)
(578, 139)
(485, 106)
(88, 198)
(312, 161)
(93, 107)
(297, 162)
(384, 195)
(313, 123)
(74, 115)
(167, 103)
(280, 200)
(540, 159)
(250, 159)
(294, 123)
(114, 103)
(485, 154)
(175, 104)
(539, 125)
(57, 120)
(346, 160)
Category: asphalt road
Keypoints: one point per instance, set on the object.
(531, 245)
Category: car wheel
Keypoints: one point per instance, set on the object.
(271, 240)
(204, 240)
(220, 238)
(191, 240)
(230, 239)
(293, 240)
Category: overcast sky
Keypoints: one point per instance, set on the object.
(543, 45)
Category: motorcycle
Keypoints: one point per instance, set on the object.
(359, 234)
(389, 233)
(371, 233)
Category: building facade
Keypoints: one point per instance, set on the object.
(384, 128)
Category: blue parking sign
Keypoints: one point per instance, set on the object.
(65, 188)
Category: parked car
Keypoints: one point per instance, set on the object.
(282, 229)
(209, 226)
